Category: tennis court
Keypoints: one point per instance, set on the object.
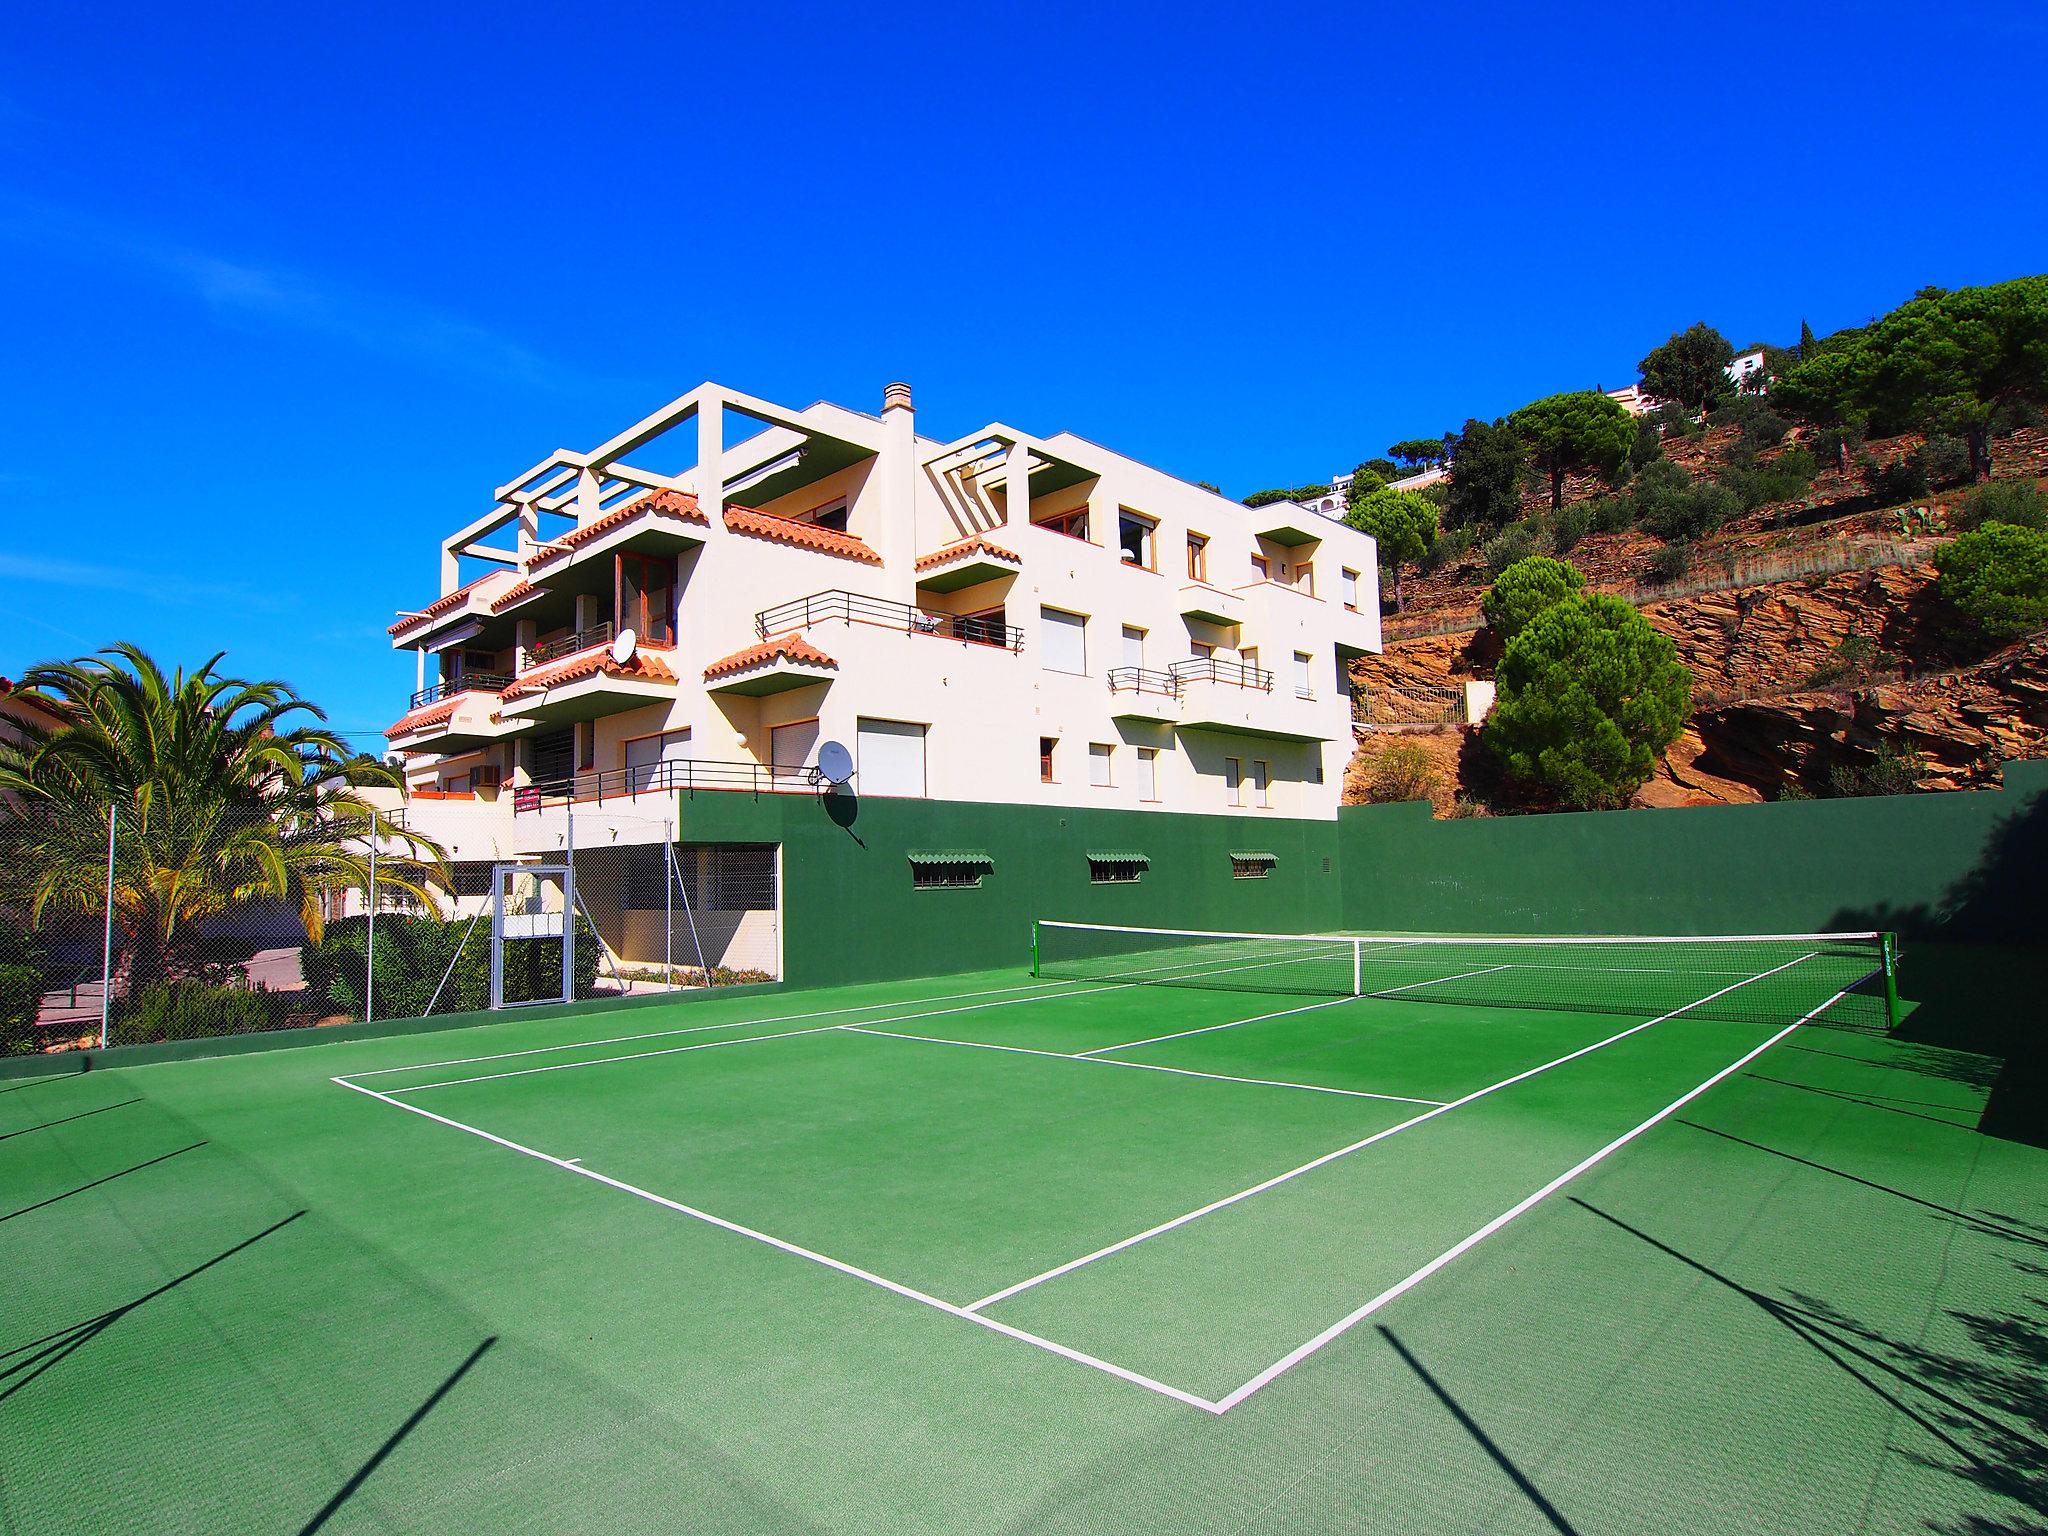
(1012, 1250)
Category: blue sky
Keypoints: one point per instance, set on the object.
(285, 302)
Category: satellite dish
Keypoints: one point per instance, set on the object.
(835, 763)
(623, 645)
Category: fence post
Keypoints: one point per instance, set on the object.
(370, 935)
(107, 940)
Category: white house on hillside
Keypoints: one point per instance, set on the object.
(1001, 618)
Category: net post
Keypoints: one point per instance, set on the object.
(1358, 967)
(1034, 947)
(1890, 943)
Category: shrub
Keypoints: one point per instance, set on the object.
(1570, 524)
(21, 992)
(1671, 563)
(1610, 514)
(1649, 444)
(1524, 590)
(1997, 578)
(2006, 501)
(412, 956)
(1850, 661)
(1889, 772)
(1402, 772)
(1675, 506)
(1448, 548)
(192, 1010)
(1515, 542)
(1900, 480)
(1589, 696)
(1943, 460)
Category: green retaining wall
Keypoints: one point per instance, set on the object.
(1961, 867)
(850, 913)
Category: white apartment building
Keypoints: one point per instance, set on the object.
(1000, 618)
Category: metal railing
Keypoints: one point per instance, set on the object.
(1142, 680)
(1408, 704)
(569, 644)
(853, 608)
(685, 774)
(1209, 669)
(469, 682)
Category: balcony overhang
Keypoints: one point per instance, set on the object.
(1287, 524)
(587, 686)
(967, 563)
(1212, 605)
(448, 620)
(1270, 714)
(469, 719)
(662, 522)
(776, 665)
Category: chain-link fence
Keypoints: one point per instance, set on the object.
(186, 953)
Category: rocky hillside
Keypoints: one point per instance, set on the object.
(1820, 653)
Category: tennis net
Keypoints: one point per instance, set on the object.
(1754, 978)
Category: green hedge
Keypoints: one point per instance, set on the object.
(412, 956)
(197, 1010)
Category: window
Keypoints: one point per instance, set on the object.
(1045, 749)
(1114, 868)
(790, 746)
(1251, 866)
(948, 871)
(831, 515)
(1201, 649)
(646, 754)
(471, 877)
(1233, 779)
(1305, 578)
(646, 589)
(1259, 567)
(991, 626)
(1315, 765)
(1198, 557)
(1100, 757)
(891, 757)
(586, 744)
(1134, 533)
(1073, 524)
(455, 784)
(1065, 642)
(1134, 646)
(1148, 773)
(1248, 655)
(1348, 588)
(1304, 688)
(1262, 773)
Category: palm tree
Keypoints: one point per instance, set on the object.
(224, 797)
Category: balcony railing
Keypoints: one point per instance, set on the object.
(469, 682)
(1209, 669)
(569, 644)
(689, 775)
(852, 608)
(1141, 680)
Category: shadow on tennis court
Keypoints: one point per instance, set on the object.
(1481, 1438)
(106, 1179)
(1968, 1401)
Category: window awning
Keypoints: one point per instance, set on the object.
(1253, 856)
(1117, 856)
(948, 856)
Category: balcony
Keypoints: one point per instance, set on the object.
(1233, 696)
(684, 775)
(448, 688)
(1285, 523)
(567, 645)
(1137, 693)
(1209, 669)
(966, 563)
(1212, 605)
(904, 618)
(587, 685)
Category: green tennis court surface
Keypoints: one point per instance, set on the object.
(1050, 1252)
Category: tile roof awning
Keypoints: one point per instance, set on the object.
(659, 521)
(1118, 856)
(787, 530)
(775, 665)
(1252, 856)
(948, 856)
(965, 563)
(587, 685)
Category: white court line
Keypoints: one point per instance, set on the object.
(1142, 1066)
(1064, 1352)
(563, 1066)
(1350, 1320)
(1261, 1018)
(1377, 1136)
(697, 1029)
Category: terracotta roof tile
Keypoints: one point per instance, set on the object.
(421, 719)
(977, 545)
(790, 647)
(645, 665)
(664, 503)
(787, 530)
(514, 595)
(442, 605)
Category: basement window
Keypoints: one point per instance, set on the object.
(1116, 867)
(1245, 865)
(948, 870)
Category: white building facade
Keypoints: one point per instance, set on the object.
(1001, 618)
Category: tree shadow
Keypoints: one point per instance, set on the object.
(66, 1120)
(412, 1422)
(108, 1179)
(1965, 1405)
(52, 1349)
(1871, 1101)
(1481, 1438)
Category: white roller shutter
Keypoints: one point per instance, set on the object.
(1064, 641)
(891, 760)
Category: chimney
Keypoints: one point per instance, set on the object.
(896, 397)
(895, 533)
